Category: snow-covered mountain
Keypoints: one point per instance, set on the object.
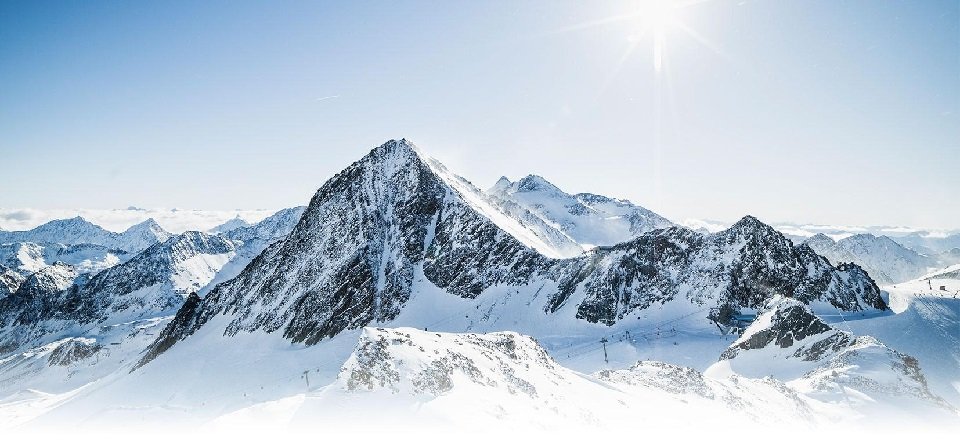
(929, 244)
(740, 267)
(947, 273)
(271, 228)
(395, 224)
(10, 280)
(788, 342)
(152, 284)
(883, 258)
(143, 235)
(229, 225)
(255, 238)
(67, 231)
(587, 219)
(276, 323)
(27, 258)
(77, 230)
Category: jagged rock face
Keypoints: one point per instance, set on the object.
(350, 259)
(73, 350)
(586, 219)
(671, 378)
(740, 267)
(788, 322)
(37, 294)
(10, 280)
(410, 361)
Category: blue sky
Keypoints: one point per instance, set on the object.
(820, 111)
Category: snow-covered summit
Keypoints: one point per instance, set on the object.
(588, 219)
(230, 225)
(143, 235)
(27, 257)
(273, 227)
(77, 230)
(886, 260)
(74, 230)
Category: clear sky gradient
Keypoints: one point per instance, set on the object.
(837, 112)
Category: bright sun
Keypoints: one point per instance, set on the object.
(656, 17)
(653, 19)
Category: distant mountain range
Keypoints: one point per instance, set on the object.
(402, 282)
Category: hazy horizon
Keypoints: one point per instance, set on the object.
(815, 111)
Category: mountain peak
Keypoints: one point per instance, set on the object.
(147, 225)
(748, 220)
(78, 220)
(230, 225)
(503, 183)
(77, 225)
(752, 224)
(395, 147)
(533, 182)
(820, 238)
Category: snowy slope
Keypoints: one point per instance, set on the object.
(67, 231)
(790, 344)
(947, 273)
(588, 219)
(60, 336)
(504, 382)
(925, 324)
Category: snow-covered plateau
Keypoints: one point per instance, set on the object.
(404, 301)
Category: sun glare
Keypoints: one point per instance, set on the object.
(656, 17)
